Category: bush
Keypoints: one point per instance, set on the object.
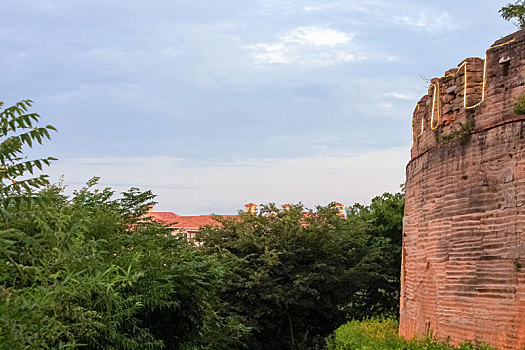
(382, 334)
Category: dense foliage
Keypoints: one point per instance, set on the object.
(295, 275)
(382, 221)
(90, 271)
(514, 12)
(382, 334)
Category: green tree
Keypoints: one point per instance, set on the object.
(382, 220)
(514, 12)
(294, 273)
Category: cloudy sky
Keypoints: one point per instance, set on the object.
(213, 104)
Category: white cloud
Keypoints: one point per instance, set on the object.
(317, 36)
(317, 8)
(401, 96)
(224, 187)
(415, 16)
(429, 21)
(271, 53)
(308, 45)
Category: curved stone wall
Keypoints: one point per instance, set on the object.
(463, 266)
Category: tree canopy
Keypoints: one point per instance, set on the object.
(296, 275)
(382, 221)
(515, 13)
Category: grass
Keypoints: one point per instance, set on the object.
(382, 334)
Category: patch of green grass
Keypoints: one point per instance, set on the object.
(382, 334)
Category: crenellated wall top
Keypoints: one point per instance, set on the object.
(478, 94)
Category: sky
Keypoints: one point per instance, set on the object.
(214, 104)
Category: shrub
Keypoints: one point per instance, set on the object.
(382, 334)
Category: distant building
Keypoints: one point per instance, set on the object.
(189, 225)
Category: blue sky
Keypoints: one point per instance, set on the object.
(213, 104)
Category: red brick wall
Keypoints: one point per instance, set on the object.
(464, 225)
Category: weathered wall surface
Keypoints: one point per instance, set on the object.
(463, 268)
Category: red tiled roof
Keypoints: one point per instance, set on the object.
(195, 221)
(186, 222)
(166, 217)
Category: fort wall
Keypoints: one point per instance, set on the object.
(463, 266)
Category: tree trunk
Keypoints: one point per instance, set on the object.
(290, 325)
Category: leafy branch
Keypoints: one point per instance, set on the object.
(18, 129)
(514, 11)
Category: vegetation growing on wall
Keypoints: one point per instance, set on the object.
(519, 107)
(462, 133)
